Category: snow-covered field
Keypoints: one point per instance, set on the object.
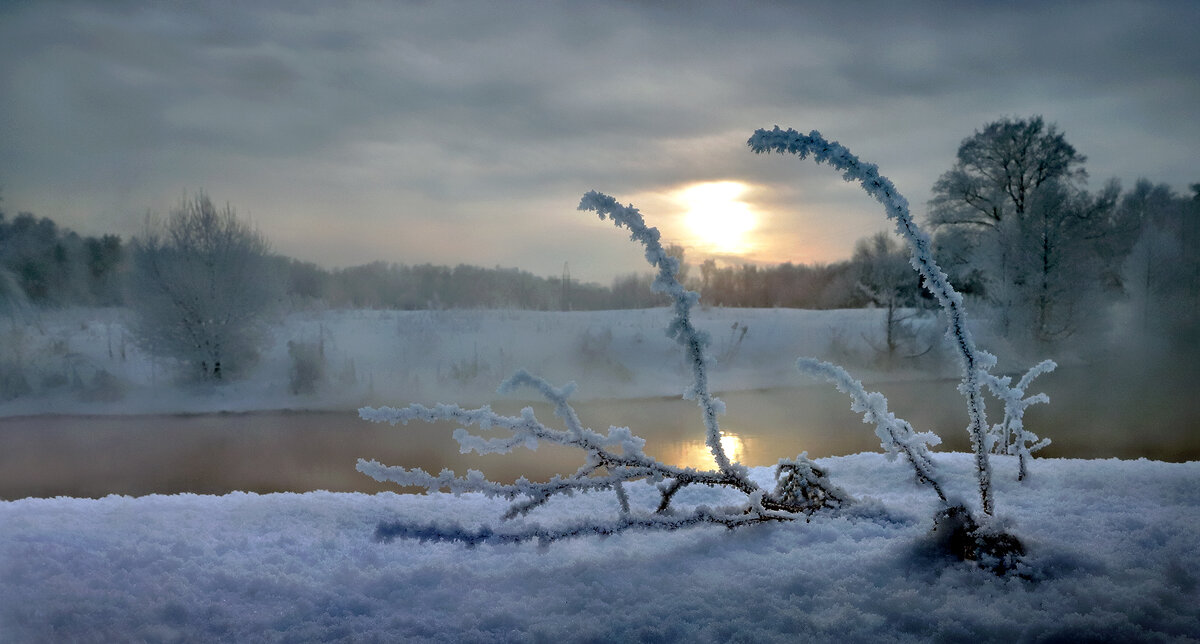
(1111, 544)
(1112, 557)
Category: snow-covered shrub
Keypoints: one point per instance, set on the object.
(348, 376)
(595, 343)
(595, 349)
(883, 276)
(468, 370)
(307, 369)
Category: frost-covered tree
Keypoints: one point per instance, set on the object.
(57, 267)
(882, 273)
(999, 171)
(202, 283)
(1161, 274)
(1013, 210)
(1061, 271)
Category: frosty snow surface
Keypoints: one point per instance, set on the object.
(1112, 557)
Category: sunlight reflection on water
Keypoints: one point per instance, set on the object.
(697, 454)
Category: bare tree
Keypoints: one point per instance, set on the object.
(1059, 260)
(1014, 206)
(882, 273)
(999, 170)
(1162, 269)
(202, 284)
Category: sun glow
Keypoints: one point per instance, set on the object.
(697, 454)
(716, 216)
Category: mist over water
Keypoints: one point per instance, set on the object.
(1113, 409)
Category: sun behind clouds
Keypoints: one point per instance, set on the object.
(718, 220)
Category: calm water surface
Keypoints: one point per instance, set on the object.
(91, 456)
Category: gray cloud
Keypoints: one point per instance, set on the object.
(423, 118)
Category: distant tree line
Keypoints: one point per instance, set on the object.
(53, 266)
(384, 285)
(802, 286)
(1014, 224)
(426, 286)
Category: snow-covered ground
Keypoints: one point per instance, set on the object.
(390, 357)
(1112, 557)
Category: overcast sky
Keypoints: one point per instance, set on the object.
(466, 132)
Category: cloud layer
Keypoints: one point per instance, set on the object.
(466, 131)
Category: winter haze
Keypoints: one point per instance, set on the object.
(455, 132)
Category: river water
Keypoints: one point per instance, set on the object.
(91, 456)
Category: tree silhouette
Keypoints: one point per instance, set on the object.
(202, 282)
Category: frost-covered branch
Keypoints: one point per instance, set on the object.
(973, 362)
(628, 464)
(1010, 436)
(631, 463)
(896, 435)
(681, 329)
(455, 532)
